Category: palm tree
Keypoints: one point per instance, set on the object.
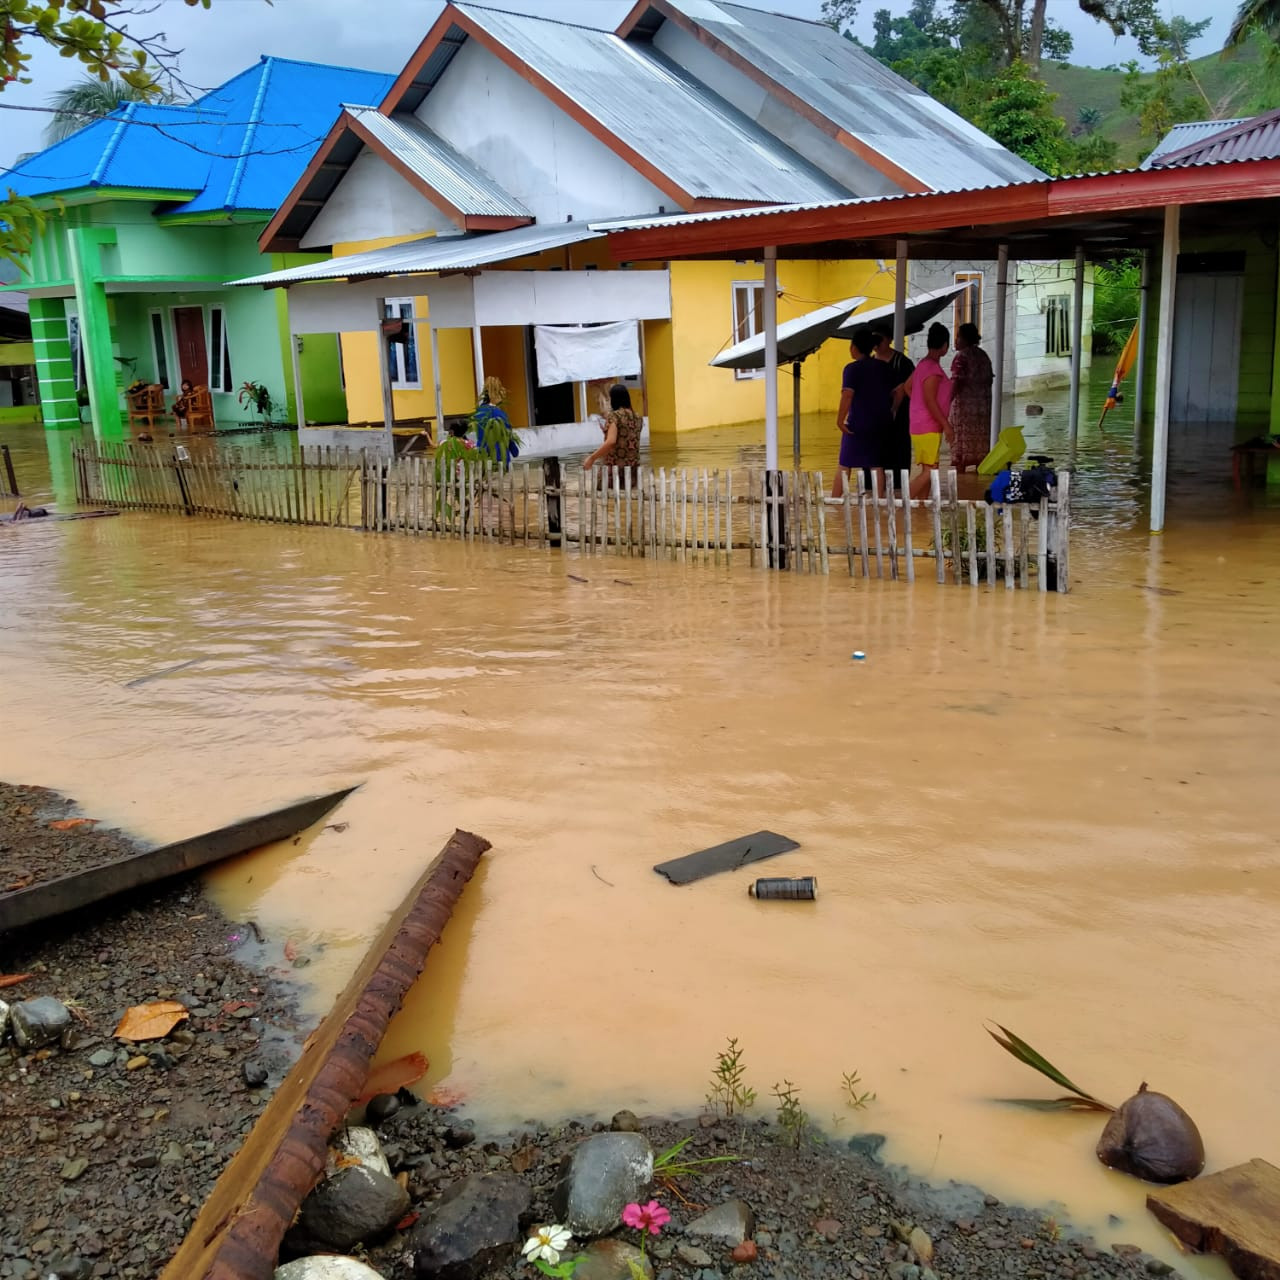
(1264, 14)
(79, 104)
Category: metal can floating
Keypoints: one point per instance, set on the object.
(785, 888)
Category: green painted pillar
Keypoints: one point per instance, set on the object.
(56, 373)
(95, 329)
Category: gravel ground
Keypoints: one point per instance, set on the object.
(826, 1209)
(109, 1149)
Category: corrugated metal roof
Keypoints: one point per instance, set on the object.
(278, 112)
(1257, 138)
(461, 182)
(1185, 135)
(707, 147)
(435, 253)
(854, 91)
(240, 147)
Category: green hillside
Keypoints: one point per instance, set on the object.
(1226, 83)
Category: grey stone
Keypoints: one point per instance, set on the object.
(625, 1122)
(599, 1178)
(730, 1223)
(474, 1225)
(361, 1144)
(254, 1074)
(39, 1022)
(611, 1260)
(69, 1267)
(352, 1206)
(325, 1268)
(382, 1106)
(103, 1058)
(4, 1019)
(72, 1169)
(692, 1256)
(867, 1145)
(903, 1271)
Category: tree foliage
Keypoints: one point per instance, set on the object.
(79, 104)
(1254, 15)
(1026, 29)
(1172, 95)
(94, 32)
(1020, 116)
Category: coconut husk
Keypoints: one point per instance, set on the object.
(1151, 1137)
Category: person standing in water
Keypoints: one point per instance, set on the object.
(865, 415)
(971, 379)
(621, 447)
(902, 367)
(930, 392)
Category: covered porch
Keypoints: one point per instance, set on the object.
(422, 324)
(1206, 308)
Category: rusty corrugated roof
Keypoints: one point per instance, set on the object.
(1255, 139)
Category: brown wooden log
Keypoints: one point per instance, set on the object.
(238, 1231)
(1235, 1213)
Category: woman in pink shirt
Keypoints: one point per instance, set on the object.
(930, 392)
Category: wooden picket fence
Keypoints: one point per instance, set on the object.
(782, 520)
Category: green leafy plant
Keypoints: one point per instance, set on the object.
(729, 1090)
(851, 1083)
(792, 1119)
(671, 1165)
(258, 398)
(1021, 1050)
(496, 438)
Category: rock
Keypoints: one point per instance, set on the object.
(457, 1136)
(612, 1260)
(1157, 1268)
(352, 1206)
(72, 1169)
(625, 1122)
(920, 1244)
(599, 1178)
(136, 1062)
(730, 1223)
(325, 1268)
(69, 1267)
(867, 1145)
(39, 1022)
(360, 1145)
(829, 1228)
(4, 1019)
(103, 1058)
(173, 1154)
(903, 1271)
(745, 1252)
(1151, 1137)
(473, 1226)
(382, 1106)
(692, 1256)
(254, 1074)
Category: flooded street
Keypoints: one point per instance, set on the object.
(1054, 812)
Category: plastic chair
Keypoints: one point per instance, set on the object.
(1009, 448)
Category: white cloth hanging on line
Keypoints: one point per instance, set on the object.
(577, 353)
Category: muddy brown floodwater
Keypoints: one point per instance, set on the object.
(1059, 813)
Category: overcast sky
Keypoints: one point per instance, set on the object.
(379, 35)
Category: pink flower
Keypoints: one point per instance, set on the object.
(651, 1217)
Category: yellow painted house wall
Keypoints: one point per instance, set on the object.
(681, 391)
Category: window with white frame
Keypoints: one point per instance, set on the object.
(748, 317)
(402, 357)
(968, 305)
(159, 349)
(219, 351)
(1057, 325)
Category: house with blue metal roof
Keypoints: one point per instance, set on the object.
(148, 212)
(461, 203)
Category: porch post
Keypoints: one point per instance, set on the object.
(95, 330)
(1077, 338)
(435, 377)
(1164, 365)
(478, 353)
(900, 299)
(771, 358)
(1140, 370)
(1002, 307)
(299, 409)
(384, 367)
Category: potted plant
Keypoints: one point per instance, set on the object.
(258, 398)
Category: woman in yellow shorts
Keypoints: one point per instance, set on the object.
(930, 392)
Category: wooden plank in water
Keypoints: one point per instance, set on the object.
(1235, 1213)
(238, 1232)
(83, 888)
(725, 857)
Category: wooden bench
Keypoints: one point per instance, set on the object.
(196, 409)
(146, 405)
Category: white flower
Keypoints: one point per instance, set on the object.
(547, 1244)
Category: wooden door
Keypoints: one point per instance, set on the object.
(1206, 348)
(193, 354)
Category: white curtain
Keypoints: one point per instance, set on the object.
(573, 353)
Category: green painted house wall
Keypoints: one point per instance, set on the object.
(108, 267)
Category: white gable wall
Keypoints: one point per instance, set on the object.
(372, 200)
(538, 153)
(771, 114)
